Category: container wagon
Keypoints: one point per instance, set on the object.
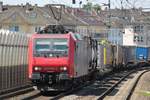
(129, 56)
(142, 55)
(135, 56)
(105, 58)
(118, 57)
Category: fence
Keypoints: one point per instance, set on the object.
(13, 60)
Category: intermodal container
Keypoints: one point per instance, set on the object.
(142, 53)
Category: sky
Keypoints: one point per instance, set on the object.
(114, 3)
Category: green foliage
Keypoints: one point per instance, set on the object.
(145, 93)
(89, 6)
(97, 7)
(103, 42)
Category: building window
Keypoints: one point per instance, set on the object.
(32, 15)
(138, 28)
(14, 28)
(37, 29)
(142, 39)
(138, 39)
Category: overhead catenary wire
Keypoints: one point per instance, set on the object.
(135, 3)
(58, 18)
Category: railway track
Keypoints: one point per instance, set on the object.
(135, 84)
(142, 71)
(26, 95)
(100, 89)
(13, 92)
(70, 91)
(96, 90)
(55, 95)
(31, 94)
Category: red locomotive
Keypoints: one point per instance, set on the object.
(56, 61)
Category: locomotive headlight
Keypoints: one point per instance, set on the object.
(63, 68)
(37, 68)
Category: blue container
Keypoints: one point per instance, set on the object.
(141, 53)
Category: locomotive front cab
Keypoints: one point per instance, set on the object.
(50, 62)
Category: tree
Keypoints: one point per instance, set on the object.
(97, 7)
(88, 6)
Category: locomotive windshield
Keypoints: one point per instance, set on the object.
(51, 47)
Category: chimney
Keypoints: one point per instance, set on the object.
(1, 6)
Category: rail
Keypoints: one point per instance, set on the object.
(115, 85)
(135, 84)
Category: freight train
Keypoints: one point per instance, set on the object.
(56, 61)
(116, 57)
